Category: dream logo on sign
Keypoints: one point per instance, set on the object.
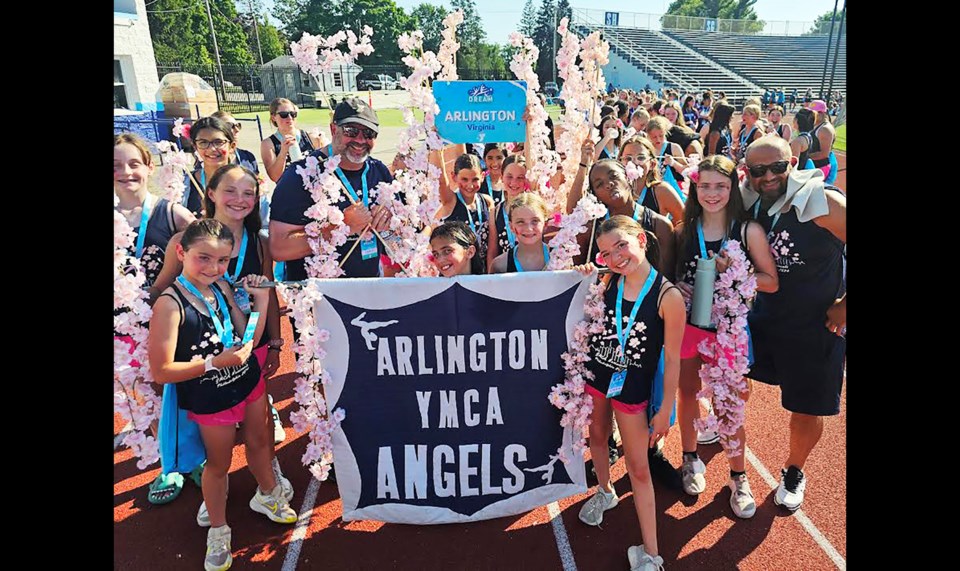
(480, 94)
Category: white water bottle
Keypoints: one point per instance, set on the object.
(703, 284)
(294, 151)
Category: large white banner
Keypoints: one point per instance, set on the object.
(445, 384)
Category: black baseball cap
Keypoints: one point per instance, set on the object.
(354, 110)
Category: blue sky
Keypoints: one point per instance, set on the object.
(501, 17)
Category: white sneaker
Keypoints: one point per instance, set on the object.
(741, 497)
(640, 560)
(273, 505)
(203, 518)
(592, 512)
(708, 437)
(692, 472)
(790, 491)
(218, 556)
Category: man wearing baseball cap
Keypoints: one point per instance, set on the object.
(354, 129)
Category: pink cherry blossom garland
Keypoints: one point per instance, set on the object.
(570, 397)
(563, 246)
(725, 364)
(130, 381)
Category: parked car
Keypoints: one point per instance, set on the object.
(381, 81)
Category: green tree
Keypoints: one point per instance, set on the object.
(180, 30)
(327, 17)
(428, 18)
(822, 24)
(543, 39)
(528, 21)
(740, 10)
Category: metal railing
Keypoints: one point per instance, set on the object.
(666, 70)
(672, 22)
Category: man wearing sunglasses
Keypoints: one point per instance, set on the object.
(354, 128)
(799, 331)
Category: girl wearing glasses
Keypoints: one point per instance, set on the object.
(714, 214)
(649, 190)
(242, 157)
(215, 145)
(275, 149)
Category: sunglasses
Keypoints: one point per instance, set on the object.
(287, 114)
(354, 132)
(778, 167)
(235, 126)
(203, 144)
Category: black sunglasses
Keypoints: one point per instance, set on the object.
(778, 167)
(287, 114)
(353, 132)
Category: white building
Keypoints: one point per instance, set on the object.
(135, 77)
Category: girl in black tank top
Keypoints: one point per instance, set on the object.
(462, 201)
(648, 185)
(642, 316)
(514, 172)
(197, 342)
(713, 216)
(528, 215)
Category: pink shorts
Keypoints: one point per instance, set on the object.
(129, 341)
(692, 336)
(617, 405)
(233, 414)
(826, 170)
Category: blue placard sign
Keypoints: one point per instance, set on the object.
(481, 111)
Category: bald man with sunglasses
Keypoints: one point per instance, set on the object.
(354, 129)
(799, 331)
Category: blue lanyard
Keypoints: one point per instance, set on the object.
(506, 223)
(144, 220)
(489, 186)
(703, 245)
(756, 215)
(346, 183)
(470, 216)
(243, 252)
(622, 333)
(642, 195)
(349, 187)
(224, 329)
(636, 212)
(516, 259)
(747, 138)
(663, 151)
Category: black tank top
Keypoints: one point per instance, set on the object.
(780, 131)
(497, 194)
(482, 230)
(722, 146)
(825, 160)
(305, 144)
(643, 345)
(215, 391)
(646, 221)
(690, 252)
(649, 200)
(810, 269)
(160, 229)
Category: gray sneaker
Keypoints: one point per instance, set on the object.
(218, 556)
(273, 505)
(285, 486)
(592, 512)
(640, 560)
(694, 482)
(741, 498)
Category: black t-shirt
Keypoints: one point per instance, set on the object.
(291, 200)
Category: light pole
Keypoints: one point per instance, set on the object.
(216, 50)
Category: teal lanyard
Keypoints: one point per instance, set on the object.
(349, 187)
(636, 212)
(703, 244)
(224, 328)
(623, 333)
(516, 259)
(489, 186)
(243, 252)
(506, 223)
(144, 220)
(756, 215)
(470, 216)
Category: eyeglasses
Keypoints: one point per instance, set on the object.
(354, 132)
(287, 114)
(203, 144)
(778, 167)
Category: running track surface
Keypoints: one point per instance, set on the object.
(694, 533)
